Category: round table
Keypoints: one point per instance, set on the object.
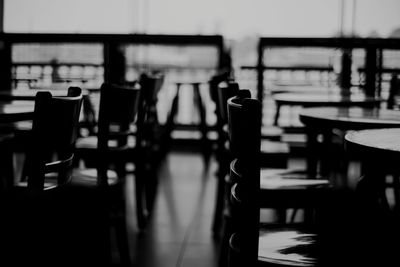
(352, 118)
(325, 100)
(200, 105)
(325, 120)
(382, 145)
(379, 150)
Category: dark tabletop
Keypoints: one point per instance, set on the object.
(381, 145)
(346, 118)
(333, 99)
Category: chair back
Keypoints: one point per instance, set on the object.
(394, 92)
(226, 91)
(244, 126)
(150, 85)
(54, 133)
(214, 83)
(223, 91)
(117, 112)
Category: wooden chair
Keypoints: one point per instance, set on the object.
(45, 221)
(340, 232)
(112, 148)
(275, 153)
(141, 135)
(152, 136)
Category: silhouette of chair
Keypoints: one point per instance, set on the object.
(45, 221)
(202, 127)
(274, 153)
(144, 138)
(111, 149)
(340, 230)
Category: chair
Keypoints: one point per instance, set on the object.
(275, 153)
(153, 135)
(140, 138)
(341, 231)
(112, 148)
(45, 221)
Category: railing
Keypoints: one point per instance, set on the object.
(371, 71)
(105, 65)
(44, 60)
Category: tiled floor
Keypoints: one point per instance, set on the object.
(179, 231)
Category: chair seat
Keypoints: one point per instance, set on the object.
(271, 132)
(288, 247)
(295, 245)
(90, 142)
(6, 137)
(274, 154)
(287, 179)
(88, 177)
(23, 125)
(47, 184)
(281, 247)
(272, 147)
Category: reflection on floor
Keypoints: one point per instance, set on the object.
(179, 231)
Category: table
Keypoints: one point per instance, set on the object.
(379, 150)
(30, 94)
(373, 143)
(324, 120)
(280, 88)
(199, 104)
(328, 99)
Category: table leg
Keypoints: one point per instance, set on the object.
(277, 113)
(326, 154)
(170, 123)
(203, 123)
(312, 151)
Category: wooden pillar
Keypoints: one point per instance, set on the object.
(114, 64)
(260, 72)
(345, 74)
(370, 72)
(5, 64)
(1, 15)
(5, 55)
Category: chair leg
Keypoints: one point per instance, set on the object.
(206, 146)
(151, 189)
(170, 123)
(140, 205)
(396, 188)
(219, 202)
(7, 168)
(224, 249)
(122, 241)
